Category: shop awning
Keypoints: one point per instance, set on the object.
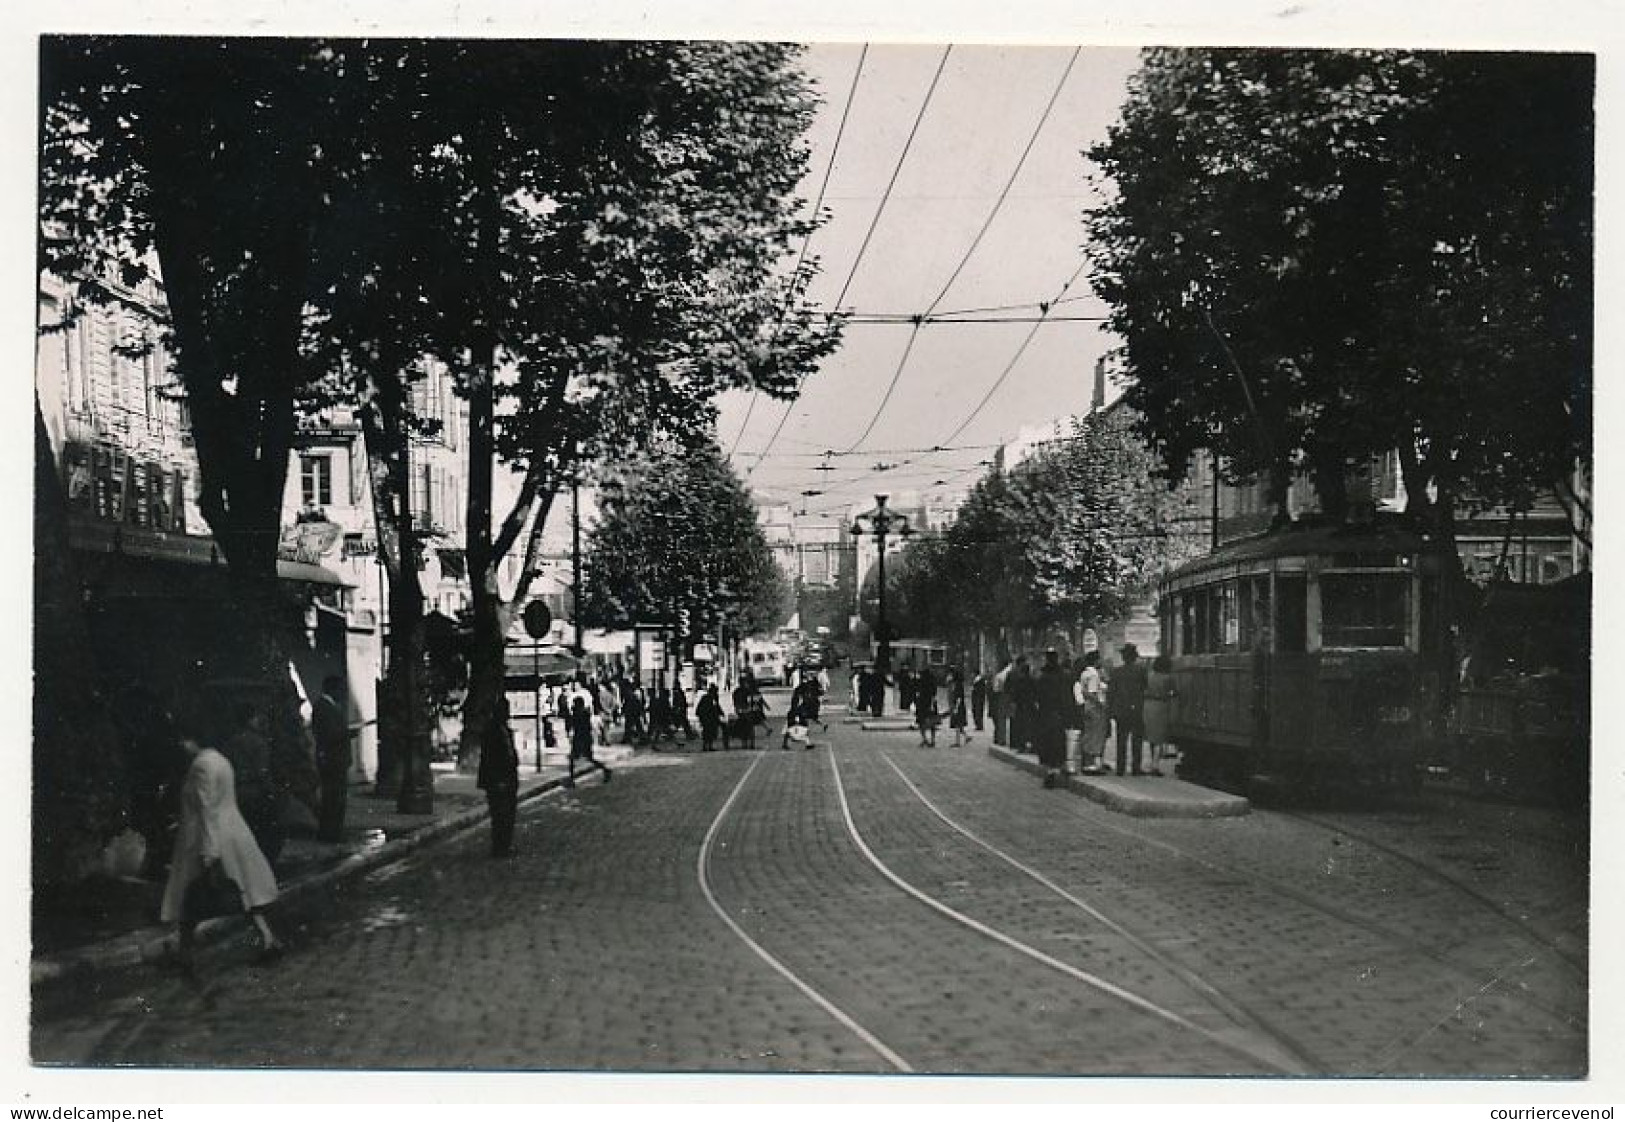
(310, 574)
(526, 665)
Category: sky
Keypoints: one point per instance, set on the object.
(997, 118)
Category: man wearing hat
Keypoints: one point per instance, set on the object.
(1126, 700)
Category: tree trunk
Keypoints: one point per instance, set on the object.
(486, 668)
(404, 742)
(235, 286)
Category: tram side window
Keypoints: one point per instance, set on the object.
(1196, 609)
(1364, 609)
(1255, 612)
(1291, 613)
(1228, 631)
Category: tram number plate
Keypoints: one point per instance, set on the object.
(1394, 714)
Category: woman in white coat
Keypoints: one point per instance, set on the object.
(212, 830)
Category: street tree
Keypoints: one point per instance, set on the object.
(613, 222)
(1317, 257)
(677, 533)
(1114, 527)
(1074, 535)
(195, 160)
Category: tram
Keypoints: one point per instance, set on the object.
(1308, 654)
(920, 654)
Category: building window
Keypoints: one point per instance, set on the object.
(815, 565)
(316, 480)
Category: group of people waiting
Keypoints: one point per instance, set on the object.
(1033, 712)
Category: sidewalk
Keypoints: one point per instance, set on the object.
(112, 923)
(1141, 796)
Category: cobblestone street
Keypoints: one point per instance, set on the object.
(974, 922)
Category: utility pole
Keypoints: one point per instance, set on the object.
(575, 560)
(881, 523)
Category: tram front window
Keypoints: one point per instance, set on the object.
(1364, 609)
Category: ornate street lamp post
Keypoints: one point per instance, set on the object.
(881, 523)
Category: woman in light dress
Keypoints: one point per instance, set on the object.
(1090, 695)
(212, 830)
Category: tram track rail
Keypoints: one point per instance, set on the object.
(1238, 1011)
(1529, 932)
(702, 870)
(1247, 1038)
(1481, 978)
(1280, 1054)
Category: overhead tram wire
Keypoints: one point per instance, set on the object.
(1043, 317)
(867, 237)
(1021, 350)
(1021, 162)
(901, 319)
(885, 451)
(818, 205)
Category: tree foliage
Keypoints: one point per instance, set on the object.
(678, 532)
(1315, 257)
(1073, 535)
(590, 235)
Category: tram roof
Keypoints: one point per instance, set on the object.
(1317, 538)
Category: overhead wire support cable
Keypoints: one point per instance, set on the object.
(873, 224)
(987, 224)
(818, 205)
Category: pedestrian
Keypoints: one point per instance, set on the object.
(1159, 696)
(744, 724)
(999, 703)
(709, 712)
(157, 770)
(214, 840)
(679, 712)
(926, 715)
(905, 688)
(1020, 697)
(872, 688)
(581, 742)
(499, 779)
(812, 702)
(331, 731)
(1090, 695)
(1052, 704)
(634, 710)
(803, 711)
(1125, 696)
(956, 707)
(660, 717)
(978, 698)
(249, 751)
